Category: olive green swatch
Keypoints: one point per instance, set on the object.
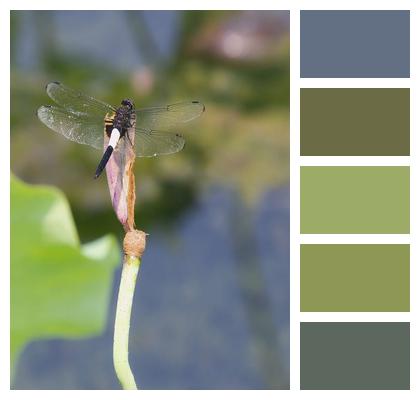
(355, 355)
(355, 200)
(354, 277)
(355, 122)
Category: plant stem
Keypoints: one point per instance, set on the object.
(122, 321)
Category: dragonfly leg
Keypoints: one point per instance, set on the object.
(129, 139)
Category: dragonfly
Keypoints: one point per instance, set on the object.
(86, 120)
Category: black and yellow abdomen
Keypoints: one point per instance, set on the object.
(109, 123)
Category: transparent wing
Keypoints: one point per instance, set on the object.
(163, 118)
(150, 143)
(80, 128)
(77, 102)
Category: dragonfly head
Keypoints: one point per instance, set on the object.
(128, 103)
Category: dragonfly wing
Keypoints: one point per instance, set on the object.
(80, 128)
(77, 102)
(150, 143)
(163, 118)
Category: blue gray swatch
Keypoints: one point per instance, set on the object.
(355, 44)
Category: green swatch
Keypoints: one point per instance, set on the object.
(354, 278)
(355, 355)
(355, 122)
(355, 200)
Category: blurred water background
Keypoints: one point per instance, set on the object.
(211, 309)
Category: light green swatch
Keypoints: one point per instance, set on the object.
(355, 200)
(355, 278)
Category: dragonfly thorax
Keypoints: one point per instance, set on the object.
(128, 103)
(123, 116)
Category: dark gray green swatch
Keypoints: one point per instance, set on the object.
(355, 200)
(355, 122)
(354, 355)
(355, 278)
(355, 44)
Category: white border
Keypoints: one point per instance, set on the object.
(294, 199)
(354, 82)
(354, 239)
(354, 161)
(354, 316)
(294, 6)
(5, 202)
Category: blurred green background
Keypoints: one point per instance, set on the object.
(211, 309)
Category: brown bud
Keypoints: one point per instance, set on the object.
(134, 243)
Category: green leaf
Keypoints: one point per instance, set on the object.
(59, 289)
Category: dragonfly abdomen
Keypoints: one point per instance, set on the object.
(109, 123)
(114, 135)
(104, 160)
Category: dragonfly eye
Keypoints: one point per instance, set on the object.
(128, 103)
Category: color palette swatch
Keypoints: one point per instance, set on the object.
(355, 277)
(355, 44)
(363, 135)
(355, 200)
(355, 122)
(355, 355)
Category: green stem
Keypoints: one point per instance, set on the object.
(122, 321)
